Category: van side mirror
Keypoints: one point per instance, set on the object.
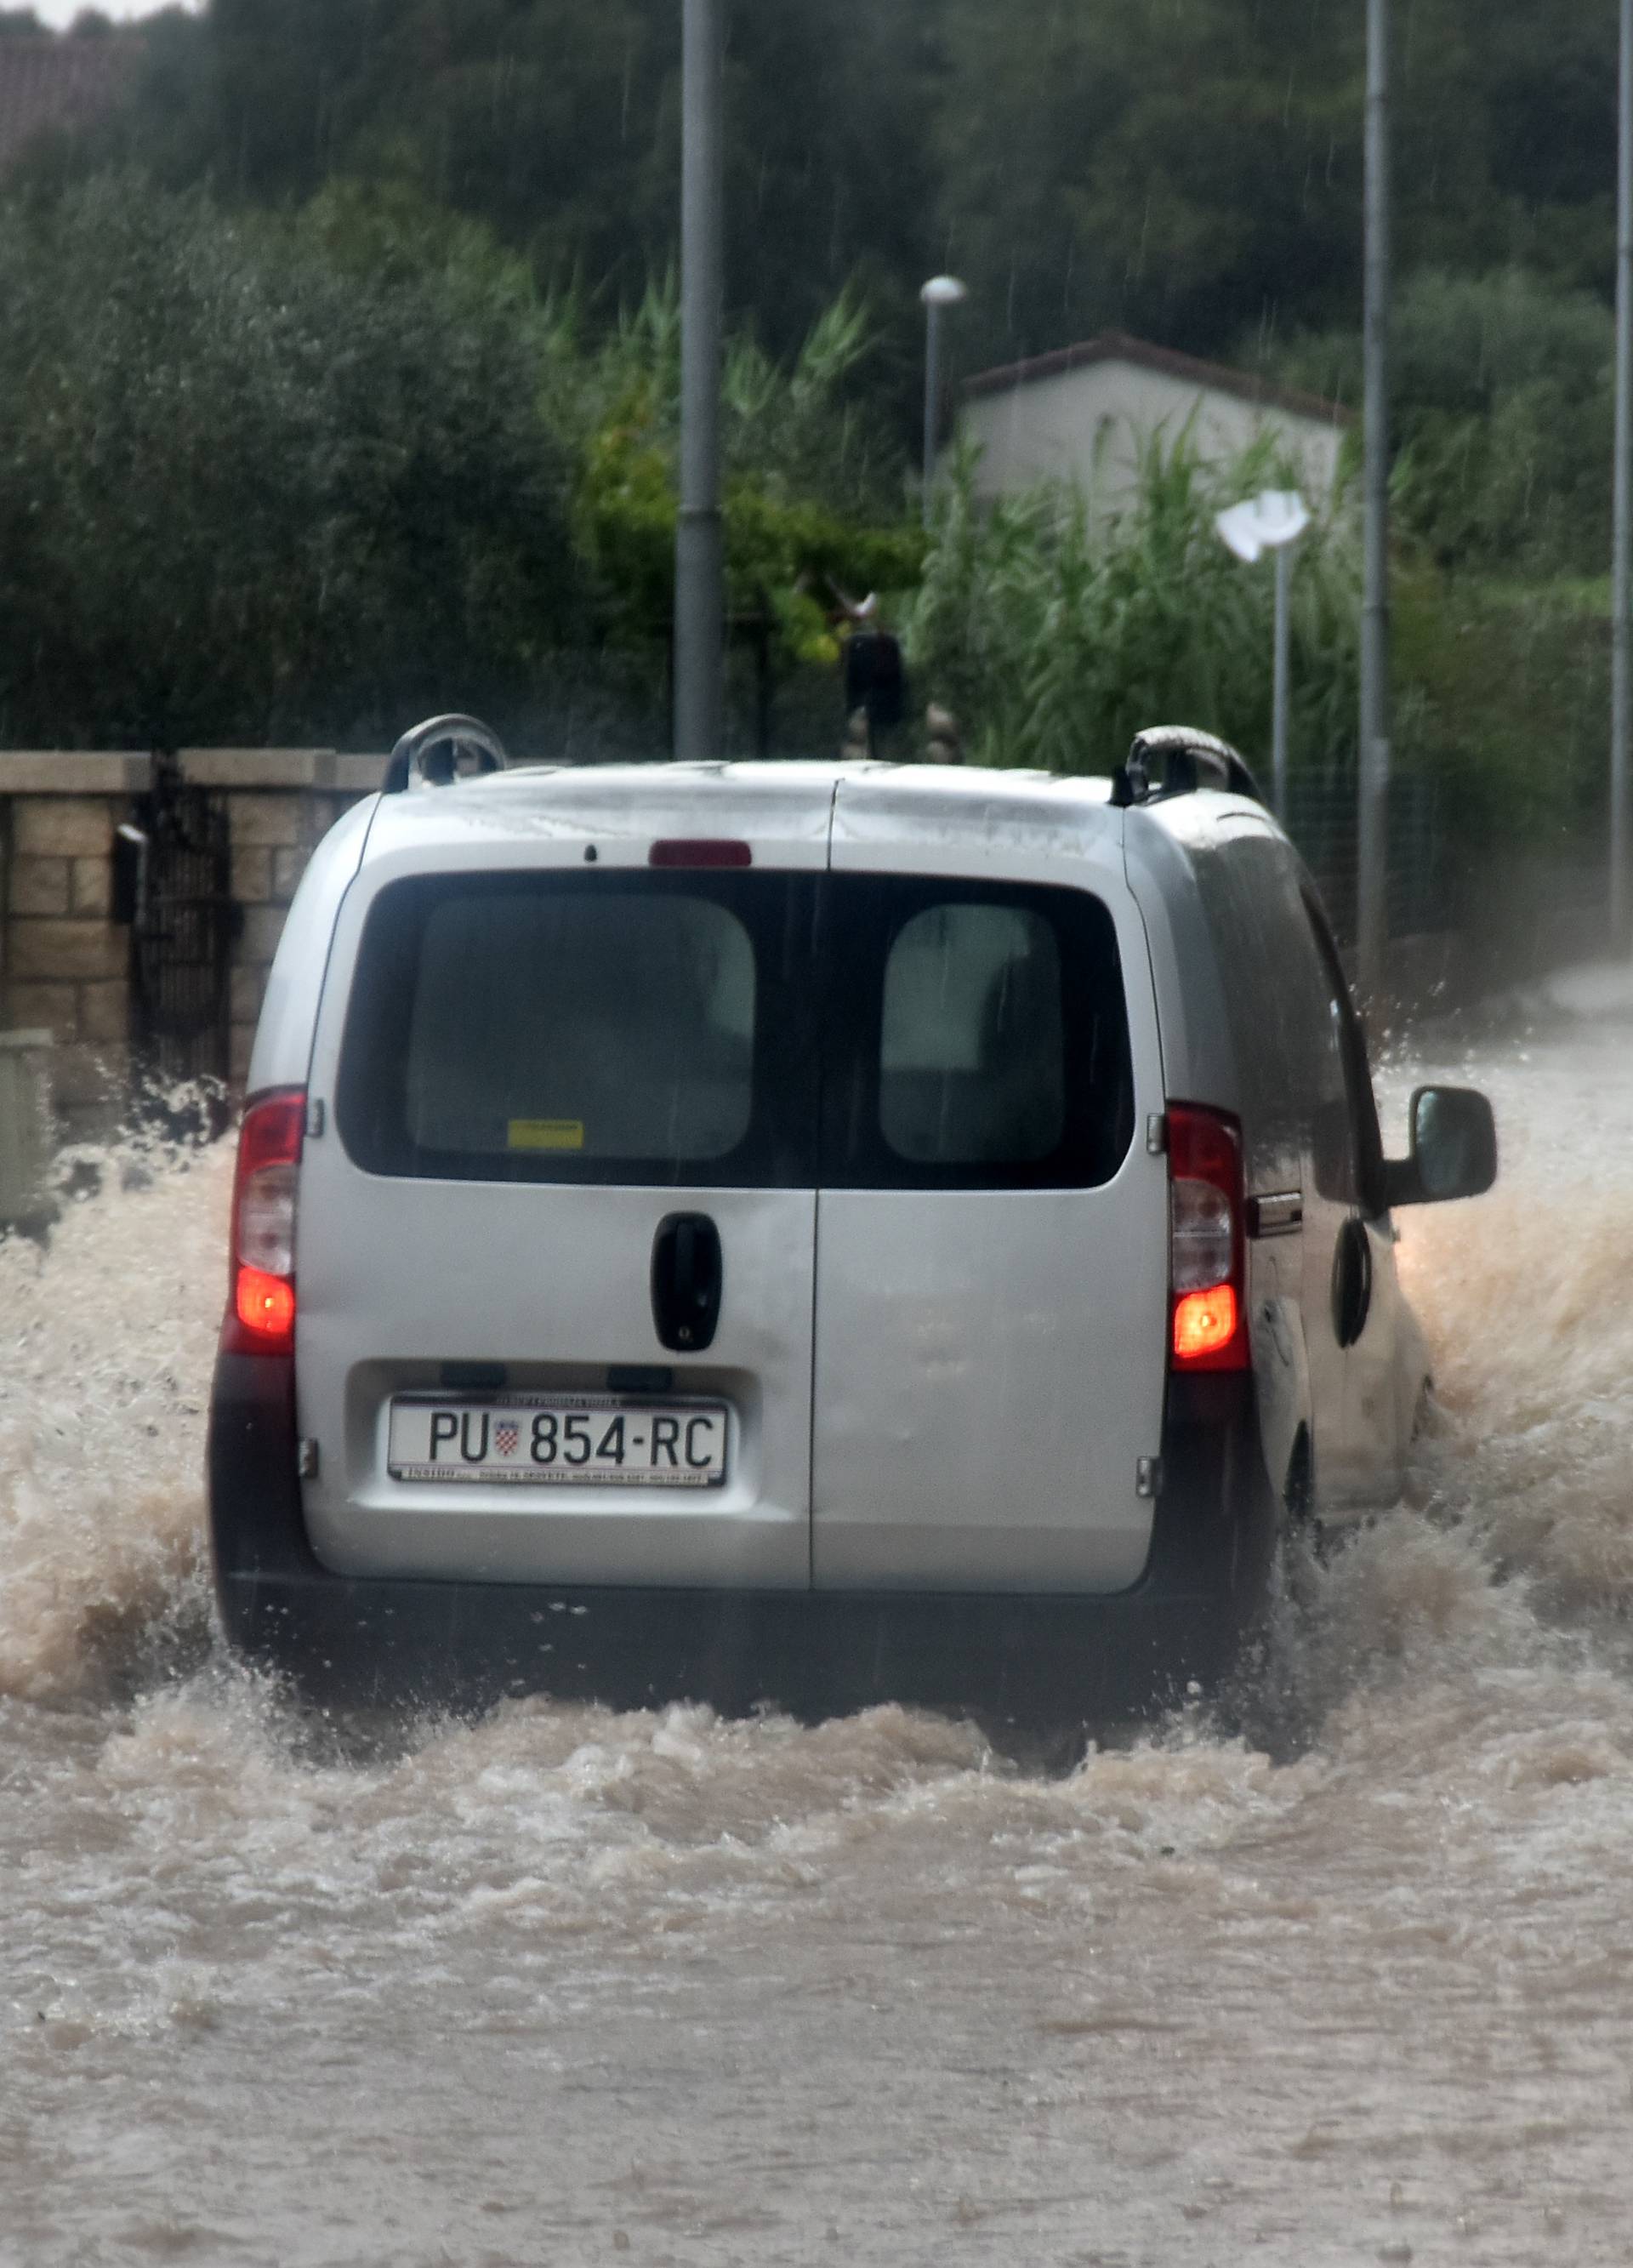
(1453, 1151)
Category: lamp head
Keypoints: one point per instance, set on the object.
(943, 291)
(1264, 523)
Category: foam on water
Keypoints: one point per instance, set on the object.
(1527, 1301)
(1342, 1975)
(106, 1338)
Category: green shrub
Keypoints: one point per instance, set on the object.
(1502, 406)
(248, 492)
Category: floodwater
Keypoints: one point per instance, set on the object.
(1348, 1979)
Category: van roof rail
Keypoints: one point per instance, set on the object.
(1188, 759)
(429, 754)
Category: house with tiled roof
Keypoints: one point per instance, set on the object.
(1085, 412)
(53, 82)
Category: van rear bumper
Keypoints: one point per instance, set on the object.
(813, 1653)
(1025, 1658)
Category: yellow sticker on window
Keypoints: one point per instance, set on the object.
(546, 1134)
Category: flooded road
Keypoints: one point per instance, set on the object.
(1354, 1983)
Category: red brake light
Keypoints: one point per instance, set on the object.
(265, 1303)
(261, 1312)
(1206, 1247)
(682, 850)
(1204, 1323)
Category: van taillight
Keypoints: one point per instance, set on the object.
(261, 1311)
(1206, 1250)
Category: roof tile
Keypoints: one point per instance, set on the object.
(1117, 346)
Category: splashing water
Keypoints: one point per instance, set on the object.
(1533, 1328)
(564, 1983)
(106, 1338)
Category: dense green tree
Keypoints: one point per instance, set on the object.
(1504, 411)
(247, 493)
(558, 124)
(302, 476)
(1174, 170)
(1190, 169)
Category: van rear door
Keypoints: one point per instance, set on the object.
(556, 1237)
(991, 1293)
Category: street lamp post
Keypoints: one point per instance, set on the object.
(700, 570)
(940, 292)
(1273, 521)
(1621, 580)
(1373, 848)
(1281, 680)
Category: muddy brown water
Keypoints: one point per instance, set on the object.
(1350, 1979)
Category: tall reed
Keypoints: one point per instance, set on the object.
(1055, 627)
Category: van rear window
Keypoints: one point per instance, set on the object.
(978, 1037)
(614, 1027)
(972, 1045)
(562, 1027)
(736, 1029)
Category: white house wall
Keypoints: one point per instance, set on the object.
(1087, 425)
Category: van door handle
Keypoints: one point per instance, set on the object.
(687, 1274)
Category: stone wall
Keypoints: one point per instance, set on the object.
(281, 803)
(65, 964)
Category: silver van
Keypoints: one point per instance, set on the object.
(805, 1232)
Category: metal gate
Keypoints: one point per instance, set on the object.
(178, 848)
(1322, 820)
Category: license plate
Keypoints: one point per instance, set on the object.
(558, 1441)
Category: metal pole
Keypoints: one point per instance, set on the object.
(932, 395)
(1622, 593)
(1283, 674)
(699, 554)
(1372, 864)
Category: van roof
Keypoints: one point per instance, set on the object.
(767, 801)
